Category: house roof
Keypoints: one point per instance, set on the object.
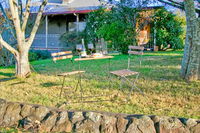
(73, 6)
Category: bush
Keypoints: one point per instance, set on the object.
(170, 29)
(72, 38)
(39, 55)
(6, 58)
(33, 56)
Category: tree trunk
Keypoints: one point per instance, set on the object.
(22, 65)
(191, 60)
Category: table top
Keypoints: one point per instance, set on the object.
(94, 58)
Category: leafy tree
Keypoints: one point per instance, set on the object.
(117, 26)
(169, 29)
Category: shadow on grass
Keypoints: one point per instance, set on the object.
(49, 84)
(7, 79)
(21, 82)
(6, 74)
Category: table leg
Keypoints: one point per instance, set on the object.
(62, 86)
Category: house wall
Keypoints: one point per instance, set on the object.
(57, 25)
(144, 28)
(144, 35)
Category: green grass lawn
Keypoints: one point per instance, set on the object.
(165, 92)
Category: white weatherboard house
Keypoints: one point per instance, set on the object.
(61, 16)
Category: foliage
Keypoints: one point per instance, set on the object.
(71, 38)
(6, 58)
(169, 29)
(39, 55)
(117, 26)
(33, 56)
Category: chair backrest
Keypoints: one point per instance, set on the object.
(135, 50)
(61, 55)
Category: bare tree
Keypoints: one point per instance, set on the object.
(190, 69)
(20, 19)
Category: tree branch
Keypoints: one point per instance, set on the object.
(8, 47)
(7, 20)
(177, 4)
(20, 9)
(37, 23)
(171, 4)
(26, 15)
(16, 20)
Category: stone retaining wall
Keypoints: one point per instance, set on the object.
(36, 118)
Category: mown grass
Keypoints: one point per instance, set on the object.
(165, 92)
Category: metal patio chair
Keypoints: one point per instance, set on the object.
(61, 56)
(125, 73)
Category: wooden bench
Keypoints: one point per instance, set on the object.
(61, 56)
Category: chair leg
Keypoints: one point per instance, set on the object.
(80, 85)
(136, 86)
(133, 85)
(77, 85)
(62, 86)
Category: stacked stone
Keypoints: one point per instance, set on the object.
(36, 118)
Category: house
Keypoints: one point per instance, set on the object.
(61, 16)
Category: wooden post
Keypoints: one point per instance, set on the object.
(46, 41)
(67, 24)
(155, 48)
(77, 23)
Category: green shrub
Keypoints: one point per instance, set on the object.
(170, 29)
(72, 38)
(33, 56)
(39, 55)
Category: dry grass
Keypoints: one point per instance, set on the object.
(165, 92)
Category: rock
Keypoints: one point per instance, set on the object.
(3, 105)
(133, 126)
(146, 125)
(95, 117)
(170, 125)
(87, 126)
(26, 123)
(63, 123)
(77, 116)
(38, 113)
(35, 118)
(108, 124)
(91, 123)
(195, 129)
(26, 110)
(141, 125)
(49, 121)
(121, 124)
(191, 123)
(12, 114)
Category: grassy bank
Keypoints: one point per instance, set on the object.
(165, 92)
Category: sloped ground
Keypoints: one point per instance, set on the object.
(166, 93)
